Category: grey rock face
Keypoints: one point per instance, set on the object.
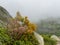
(4, 16)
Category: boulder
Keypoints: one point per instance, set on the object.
(54, 37)
(39, 38)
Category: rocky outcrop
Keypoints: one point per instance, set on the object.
(4, 16)
(39, 38)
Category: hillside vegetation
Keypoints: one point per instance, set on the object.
(49, 26)
(18, 30)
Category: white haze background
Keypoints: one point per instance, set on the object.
(34, 9)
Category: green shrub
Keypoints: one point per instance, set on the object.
(22, 43)
(48, 40)
(4, 38)
(25, 39)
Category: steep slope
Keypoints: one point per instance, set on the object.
(4, 16)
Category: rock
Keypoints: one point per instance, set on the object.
(4, 16)
(54, 37)
(39, 38)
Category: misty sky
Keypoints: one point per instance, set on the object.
(34, 9)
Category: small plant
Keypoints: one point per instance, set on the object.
(4, 38)
(22, 43)
(48, 40)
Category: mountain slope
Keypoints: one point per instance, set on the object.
(4, 16)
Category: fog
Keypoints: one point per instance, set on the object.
(34, 9)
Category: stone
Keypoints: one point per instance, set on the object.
(39, 38)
